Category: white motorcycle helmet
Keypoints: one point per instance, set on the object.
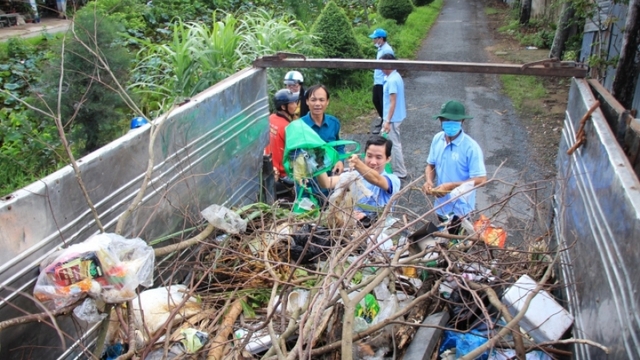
(293, 77)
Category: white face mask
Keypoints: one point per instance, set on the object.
(297, 93)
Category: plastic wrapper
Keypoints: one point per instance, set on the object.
(107, 267)
(491, 235)
(88, 311)
(224, 219)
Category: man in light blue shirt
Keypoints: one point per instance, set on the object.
(454, 158)
(381, 184)
(379, 37)
(395, 110)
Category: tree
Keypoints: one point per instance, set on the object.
(90, 107)
(397, 10)
(335, 36)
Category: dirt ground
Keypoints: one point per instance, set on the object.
(546, 114)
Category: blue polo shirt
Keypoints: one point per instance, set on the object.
(378, 75)
(379, 197)
(459, 160)
(328, 131)
(393, 84)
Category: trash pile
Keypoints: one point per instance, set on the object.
(267, 284)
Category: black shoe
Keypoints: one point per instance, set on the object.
(375, 131)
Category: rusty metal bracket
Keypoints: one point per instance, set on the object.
(546, 67)
(284, 55)
(581, 138)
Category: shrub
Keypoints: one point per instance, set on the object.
(87, 95)
(422, 2)
(397, 10)
(335, 36)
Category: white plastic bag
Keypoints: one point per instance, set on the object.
(108, 267)
(224, 219)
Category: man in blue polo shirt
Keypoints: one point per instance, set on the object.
(381, 184)
(379, 37)
(325, 125)
(454, 158)
(395, 110)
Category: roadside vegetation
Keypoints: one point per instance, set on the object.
(169, 50)
(539, 101)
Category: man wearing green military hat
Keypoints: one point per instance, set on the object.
(454, 158)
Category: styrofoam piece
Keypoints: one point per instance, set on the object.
(545, 319)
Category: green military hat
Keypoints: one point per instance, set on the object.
(452, 110)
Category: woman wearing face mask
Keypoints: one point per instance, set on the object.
(379, 37)
(454, 158)
(294, 80)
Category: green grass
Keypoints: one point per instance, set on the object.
(491, 11)
(415, 29)
(32, 42)
(350, 104)
(522, 90)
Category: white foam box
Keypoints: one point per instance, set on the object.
(545, 319)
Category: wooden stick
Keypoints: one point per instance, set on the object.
(226, 328)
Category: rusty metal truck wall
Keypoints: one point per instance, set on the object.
(597, 217)
(208, 151)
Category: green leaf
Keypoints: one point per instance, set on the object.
(11, 86)
(248, 312)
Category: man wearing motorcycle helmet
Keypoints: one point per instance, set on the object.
(294, 80)
(285, 103)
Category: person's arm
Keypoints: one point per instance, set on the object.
(449, 186)
(430, 176)
(372, 176)
(327, 182)
(339, 167)
(392, 108)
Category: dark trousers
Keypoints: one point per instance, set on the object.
(377, 98)
(454, 226)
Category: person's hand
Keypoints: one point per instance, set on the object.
(337, 170)
(353, 161)
(276, 173)
(427, 187)
(386, 127)
(359, 215)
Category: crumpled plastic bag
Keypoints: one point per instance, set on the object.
(154, 306)
(342, 202)
(224, 219)
(88, 311)
(107, 267)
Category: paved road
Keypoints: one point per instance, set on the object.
(461, 34)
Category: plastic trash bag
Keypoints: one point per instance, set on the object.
(463, 343)
(107, 267)
(320, 242)
(88, 311)
(344, 198)
(224, 219)
(155, 306)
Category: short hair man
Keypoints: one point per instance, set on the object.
(395, 110)
(381, 184)
(454, 158)
(379, 37)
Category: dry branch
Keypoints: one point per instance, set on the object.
(226, 328)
